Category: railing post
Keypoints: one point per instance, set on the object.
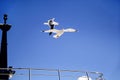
(29, 74)
(58, 74)
(87, 75)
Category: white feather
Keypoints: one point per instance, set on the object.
(60, 32)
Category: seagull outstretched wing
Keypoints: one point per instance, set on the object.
(58, 34)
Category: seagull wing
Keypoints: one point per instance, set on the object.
(45, 23)
(51, 30)
(70, 30)
(58, 34)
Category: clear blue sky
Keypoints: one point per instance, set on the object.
(96, 47)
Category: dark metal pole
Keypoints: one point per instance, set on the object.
(58, 74)
(3, 54)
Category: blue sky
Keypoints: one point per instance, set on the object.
(96, 47)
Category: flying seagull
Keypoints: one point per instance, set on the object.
(60, 32)
(51, 23)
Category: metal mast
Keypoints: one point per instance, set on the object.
(3, 53)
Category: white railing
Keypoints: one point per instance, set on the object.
(51, 74)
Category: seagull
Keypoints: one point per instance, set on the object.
(51, 23)
(59, 32)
